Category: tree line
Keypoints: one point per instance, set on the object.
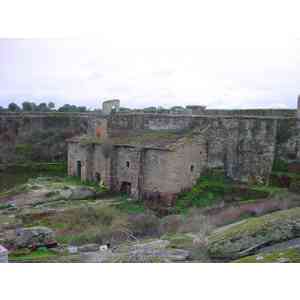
(41, 107)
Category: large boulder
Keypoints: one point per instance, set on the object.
(143, 224)
(153, 251)
(82, 192)
(248, 236)
(289, 255)
(34, 237)
(88, 248)
(170, 224)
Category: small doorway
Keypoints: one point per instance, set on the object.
(98, 177)
(79, 168)
(125, 188)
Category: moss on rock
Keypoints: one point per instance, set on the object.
(291, 255)
(246, 237)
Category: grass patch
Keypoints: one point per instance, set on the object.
(86, 224)
(179, 241)
(130, 207)
(77, 181)
(291, 255)
(208, 190)
(41, 254)
(213, 188)
(280, 165)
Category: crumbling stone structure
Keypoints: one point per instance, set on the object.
(150, 167)
(156, 156)
(110, 106)
(195, 109)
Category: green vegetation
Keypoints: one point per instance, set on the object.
(291, 255)
(25, 255)
(153, 137)
(77, 181)
(280, 165)
(215, 187)
(238, 239)
(85, 224)
(208, 190)
(24, 149)
(179, 241)
(17, 175)
(130, 206)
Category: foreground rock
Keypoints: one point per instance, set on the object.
(247, 237)
(88, 248)
(83, 192)
(42, 190)
(34, 237)
(290, 255)
(153, 251)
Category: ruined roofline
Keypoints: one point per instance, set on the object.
(77, 140)
(143, 147)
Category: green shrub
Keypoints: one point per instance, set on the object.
(207, 191)
(130, 207)
(280, 165)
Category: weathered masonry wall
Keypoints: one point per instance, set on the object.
(244, 147)
(119, 124)
(40, 136)
(290, 113)
(82, 154)
(168, 173)
(287, 136)
(151, 174)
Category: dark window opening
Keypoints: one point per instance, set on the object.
(79, 168)
(125, 188)
(98, 177)
(192, 168)
(127, 164)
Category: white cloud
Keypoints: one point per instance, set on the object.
(229, 55)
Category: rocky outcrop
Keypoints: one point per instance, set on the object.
(34, 237)
(83, 192)
(155, 251)
(290, 255)
(248, 236)
(39, 136)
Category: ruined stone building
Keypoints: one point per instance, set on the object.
(145, 166)
(154, 156)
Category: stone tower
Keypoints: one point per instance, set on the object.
(110, 106)
(298, 108)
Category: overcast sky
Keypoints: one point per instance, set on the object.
(231, 56)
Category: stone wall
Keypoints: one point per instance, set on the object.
(289, 113)
(83, 154)
(172, 172)
(110, 106)
(151, 173)
(40, 136)
(119, 124)
(244, 147)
